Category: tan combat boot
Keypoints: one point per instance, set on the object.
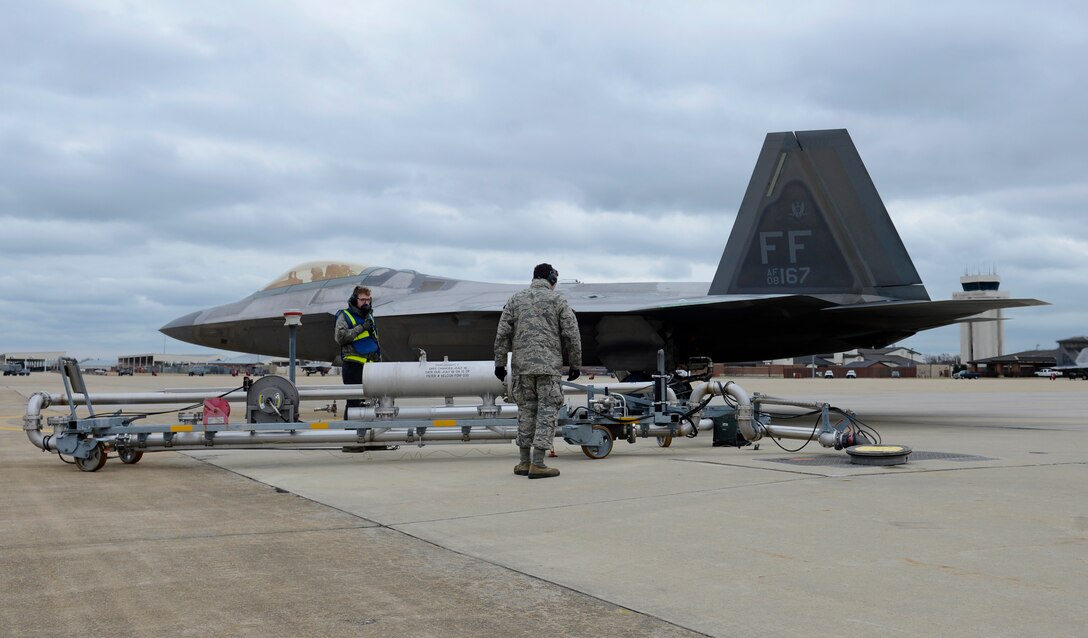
(537, 469)
(522, 469)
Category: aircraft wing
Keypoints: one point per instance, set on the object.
(771, 327)
(923, 315)
(624, 328)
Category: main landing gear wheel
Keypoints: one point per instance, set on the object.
(129, 456)
(94, 461)
(664, 441)
(602, 450)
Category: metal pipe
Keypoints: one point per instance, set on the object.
(198, 396)
(825, 436)
(312, 393)
(425, 412)
(701, 389)
(749, 428)
(291, 339)
(198, 440)
(432, 379)
(686, 428)
(759, 399)
(32, 422)
(423, 379)
(380, 380)
(619, 387)
(312, 388)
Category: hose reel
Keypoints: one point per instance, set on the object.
(272, 399)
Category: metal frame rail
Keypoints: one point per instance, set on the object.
(273, 402)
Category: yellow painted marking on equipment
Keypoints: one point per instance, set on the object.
(319, 425)
(181, 428)
(879, 448)
(444, 423)
(11, 429)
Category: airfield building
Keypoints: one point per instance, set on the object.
(33, 361)
(982, 339)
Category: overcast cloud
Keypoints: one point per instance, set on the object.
(162, 157)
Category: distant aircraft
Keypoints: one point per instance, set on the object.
(1078, 369)
(813, 265)
(316, 367)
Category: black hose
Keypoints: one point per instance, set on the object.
(143, 415)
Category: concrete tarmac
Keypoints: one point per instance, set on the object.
(984, 532)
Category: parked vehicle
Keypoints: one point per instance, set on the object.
(965, 374)
(851, 374)
(123, 371)
(197, 371)
(16, 369)
(316, 367)
(1048, 372)
(828, 374)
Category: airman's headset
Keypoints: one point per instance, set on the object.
(546, 272)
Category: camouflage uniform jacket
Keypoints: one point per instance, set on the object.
(539, 326)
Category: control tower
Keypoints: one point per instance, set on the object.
(982, 339)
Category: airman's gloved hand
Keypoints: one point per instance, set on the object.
(573, 373)
(500, 373)
(368, 325)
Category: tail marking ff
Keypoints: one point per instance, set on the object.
(812, 222)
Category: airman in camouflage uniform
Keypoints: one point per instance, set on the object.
(539, 326)
(357, 336)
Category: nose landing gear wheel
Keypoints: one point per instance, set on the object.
(602, 450)
(94, 461)
(664, 441)
(129, 456)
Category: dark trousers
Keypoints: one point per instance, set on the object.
(352, 373)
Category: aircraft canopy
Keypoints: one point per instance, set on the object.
(315, 271)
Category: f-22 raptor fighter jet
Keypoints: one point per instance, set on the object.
(1078, 369)
(813, 265)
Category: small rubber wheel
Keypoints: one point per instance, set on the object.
(599, 451)
(94, 461)
(129, 456)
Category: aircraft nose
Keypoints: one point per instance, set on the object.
(183, 328)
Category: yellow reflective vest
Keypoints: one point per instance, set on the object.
(365, 345)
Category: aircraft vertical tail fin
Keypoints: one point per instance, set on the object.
(812, 222)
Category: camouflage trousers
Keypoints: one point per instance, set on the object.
(538, 397)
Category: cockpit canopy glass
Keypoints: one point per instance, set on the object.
(315, 271)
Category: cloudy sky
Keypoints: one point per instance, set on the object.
(162, 157)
